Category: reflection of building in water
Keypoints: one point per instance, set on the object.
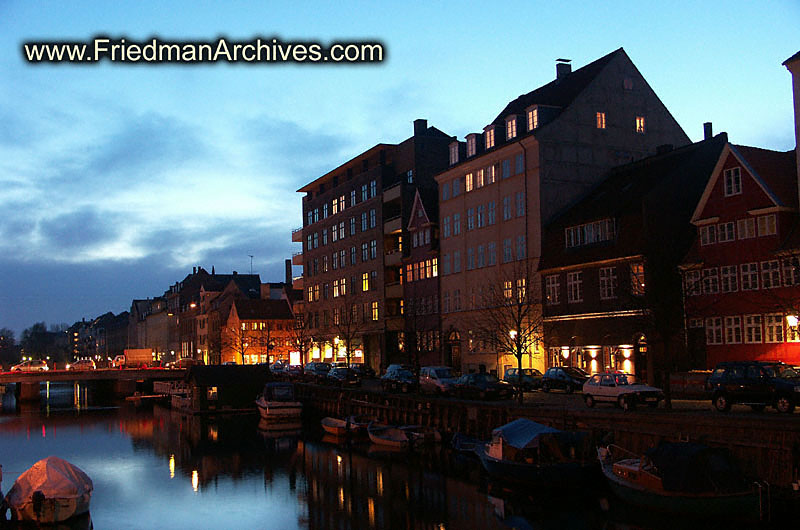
(347, 489)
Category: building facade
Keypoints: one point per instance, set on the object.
(543, 151)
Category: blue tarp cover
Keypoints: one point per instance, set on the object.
(522, 433)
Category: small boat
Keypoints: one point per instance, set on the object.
(681, 478)
(387, 435)
(51, 491)
(351, 426)
(419, 435)
(277, 402)
(461, 443)
(530, 453)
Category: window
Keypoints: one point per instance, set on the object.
(365, 282)
(791, 271)
(481, 256)
(507, 253)
(729, 278)
(552, 287)
(335, 289)
(746, 228)
(410, 176)
(373, 249)
(733, 330)
(520, 199)
(601, 120)
(492, 213)
(372, 218)
(481, 216)
(471, 219)
(316, 239)
(733, 181)
(710, 281)
(324, 263)
(490, 175)
(341, 230)
(640, 124)
(519, 163)
(708, 235)
(725, 232)
(491, 247)
(749, 276)
(752, 329)
(364, 222)
(310, 293)
(352, 198)
(445, 190)
(589, 233)
(480, 178)
(770, 274)
(325, 236)
(533, 118)
(489, 137)
(457, 261)
(522, 290)
(373, 280)
(692, 283)
(364, 251)
(457, 300)
(446, 302)
(325, 211)
(375, 311)
(574, 287)
(352, 226)
(766, 225)
(506, 208)
(342, 258)
(773, 328)
(637, 279)
(309, 218)
(506, 168)
(470, 259)
(456, 224)
(373, 188)
(521, 249)
(508, 289)
(511, 127)
(353, 254)
(335, 261)
(608, 283)
(446, 227)
(714, 330)
(364, 193)
(471, 145)
(453, 153)
(446, 264)
(456, 187)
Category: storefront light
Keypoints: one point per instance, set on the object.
(791, 321)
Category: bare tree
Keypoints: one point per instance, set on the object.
(510, 316)
(237, 339)
(347, 327)
(301, 335)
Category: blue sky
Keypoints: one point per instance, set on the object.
(115, 180)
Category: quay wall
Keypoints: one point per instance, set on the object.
(767, 447)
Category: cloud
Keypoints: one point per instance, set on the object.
(77, 231)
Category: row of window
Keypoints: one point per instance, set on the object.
(732, 278)
(367, 311)
(746, 229)
(484, 215)
(369, 282)
(420, 238)
(607, 281)
(262, 325)
(482, 177)
(484, 255)
(339, 231)
(338, 260)
(339, 203)
(424, 305)
(422, 270)
(477, 298)
(588, 233)
(748, 329)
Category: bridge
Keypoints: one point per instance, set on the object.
(123, 381)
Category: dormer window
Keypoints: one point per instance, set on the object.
(511, 127)
(733, 181)
(489, 137)
(453, 153)
(640, 124)
(533, 118)
(471, 145)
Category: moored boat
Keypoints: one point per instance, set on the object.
(527, 452)
(681, 478)
(351, 426)
(387, 435)
(51, 491)
(419, 435)
(277, 402)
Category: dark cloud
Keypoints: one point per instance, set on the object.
(77, 230)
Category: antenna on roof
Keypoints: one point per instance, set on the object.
(251, 264)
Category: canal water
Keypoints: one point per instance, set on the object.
(153, 468)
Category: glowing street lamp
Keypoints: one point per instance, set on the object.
(791, 321)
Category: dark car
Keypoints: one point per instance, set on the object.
(398, 377)
(482, 386)
(362, 370)
(294, 371)
(531, 378)
(757, 384)
(316, 372)
(566, 378)
(343, 376)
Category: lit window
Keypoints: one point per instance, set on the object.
(637, 279)
(733, 181)
(552, 287)
(471, 145)
(791, 271)
(766, 225)
(469, 182)
(511, 128)
(479, 178)
(746, 228)
(490, 175)
(507, 290)
(453, 153)
(365, 282)
(733, 330)
(640, 124)
(773, 328)
(601, 120)
(574, 287)
(489, 137)
(375, 310)
(533, 119)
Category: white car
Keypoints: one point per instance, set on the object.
(36, 365)
(436, 379)
(81, 364)
(620, 388)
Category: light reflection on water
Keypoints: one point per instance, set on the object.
(155, 468)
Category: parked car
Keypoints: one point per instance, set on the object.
(343, 377)
(756, 384)
(277, 368)
(436, 379)
(316, 372)
(531, 378)
(187, 362)
(36, 365)
(82, 364)
(482, 386)
(398, 377)
(620, 388)
(118, 362)
(294, 371)
(567, 378)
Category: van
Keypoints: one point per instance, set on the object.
(436, 379)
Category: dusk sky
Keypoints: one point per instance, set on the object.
(115, 180)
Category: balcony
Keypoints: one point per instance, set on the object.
(393, 257)
(297, 258)
(297, 282)
(297, 235)
(394, 290)
(393, 225)
(394, 323)
(392, 193)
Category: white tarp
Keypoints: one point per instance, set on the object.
(55, 478)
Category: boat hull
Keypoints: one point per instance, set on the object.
(388, 436)
(562, 475)
(52, 510)
(279, 410)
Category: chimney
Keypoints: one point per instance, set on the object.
(288, 279)
(194, 271)
(420, 126)
(563, 68)
(793, 65)
(707, 131)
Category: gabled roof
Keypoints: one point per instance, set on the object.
(263, 309)
(774, 171)
(560, 92)
(416, 206)
(795, 57)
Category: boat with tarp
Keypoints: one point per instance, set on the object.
(278, 403)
